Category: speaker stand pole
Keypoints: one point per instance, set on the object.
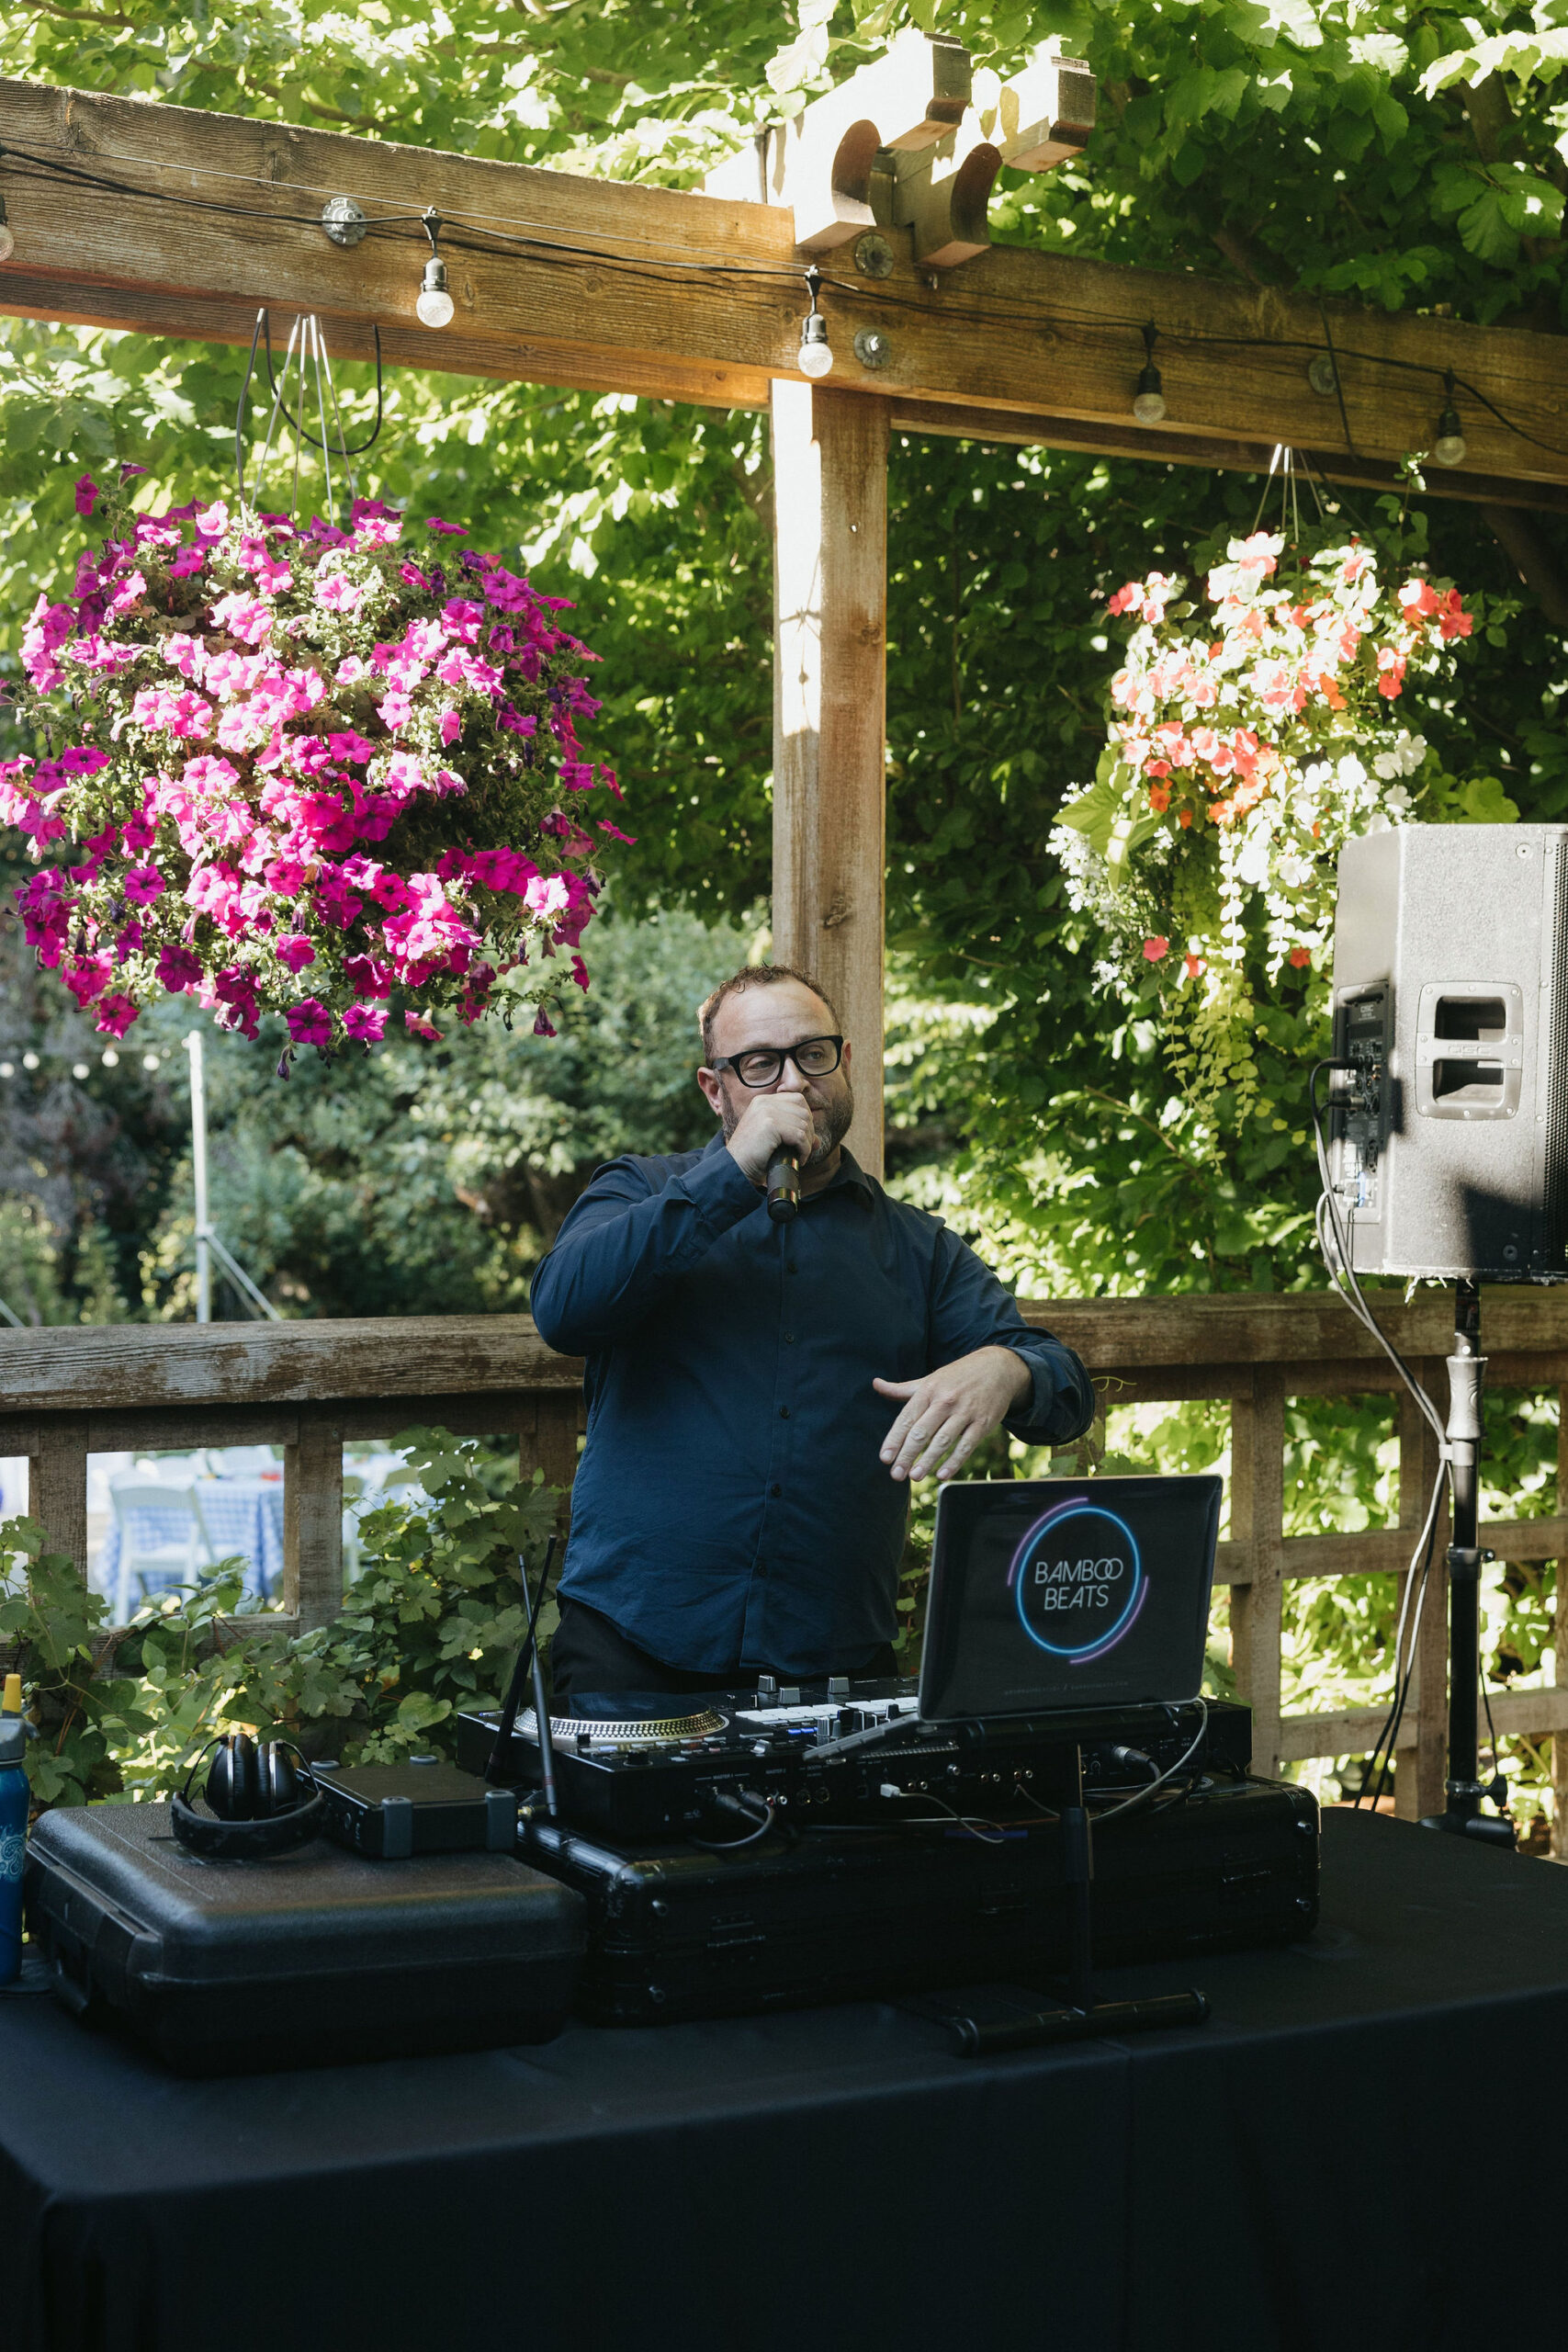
(1461, 1816)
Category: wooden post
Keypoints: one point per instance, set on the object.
(57, 1488)
(1560, 1739)
(829, 712)
(1421, 1757)
(1257, 1510)
(312, 1525)
(547, 1441)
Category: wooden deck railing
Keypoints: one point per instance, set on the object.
(310, 1387)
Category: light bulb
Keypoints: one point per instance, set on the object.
(1449, 448)
(815, 356)
(434, 304)
(1148, 399)
(7, 242)
(1148, 394)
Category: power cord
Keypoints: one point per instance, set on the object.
(724, 1803)
(1334, 1241)
(1142, 1797)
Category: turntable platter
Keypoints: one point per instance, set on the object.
(628, 1719)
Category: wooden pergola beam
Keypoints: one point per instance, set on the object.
(162, 221)
(630, 288)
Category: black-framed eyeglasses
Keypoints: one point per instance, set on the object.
(763, 1065)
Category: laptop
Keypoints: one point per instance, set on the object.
(1052, 1595)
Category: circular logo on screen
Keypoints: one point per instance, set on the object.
(1077, 1581)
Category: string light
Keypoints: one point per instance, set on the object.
(434, 305)
(508, 231)
(1449, 448)
(814, 358)
(1148, 396)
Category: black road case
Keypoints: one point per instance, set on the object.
(305, 1959)
(843, 1913)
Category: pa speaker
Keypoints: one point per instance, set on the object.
(1448, 1136)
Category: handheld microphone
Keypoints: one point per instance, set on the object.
(784, 1186)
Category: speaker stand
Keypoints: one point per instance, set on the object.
(1461, 1816)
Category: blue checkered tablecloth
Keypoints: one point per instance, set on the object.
(244, 1515)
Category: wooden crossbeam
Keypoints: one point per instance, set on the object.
(609, 285)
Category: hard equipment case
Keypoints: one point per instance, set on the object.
(841, 1913)
(307, 1957)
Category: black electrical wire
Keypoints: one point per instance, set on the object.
(1342, 1274)
(342, 450)
(1143, 1795)
(1404, 1681)
(1335, 1244)
(559, 249)
(1339, 386)
(732, 1845)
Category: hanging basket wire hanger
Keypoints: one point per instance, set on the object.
(307, 354)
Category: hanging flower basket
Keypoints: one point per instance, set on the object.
(1247, 743)
(305, 773)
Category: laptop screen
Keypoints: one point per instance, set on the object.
(1062, 1593)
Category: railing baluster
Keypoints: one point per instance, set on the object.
(548, 1439)
(57, 1487)
(1559, 1647)
(1242, 1424)
(1257, 1510)
(312, 1524)
(1423, 1742)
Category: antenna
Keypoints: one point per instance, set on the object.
(528, 1658)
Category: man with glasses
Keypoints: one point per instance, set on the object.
(761, 1393)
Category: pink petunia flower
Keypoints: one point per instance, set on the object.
(336, 594)
(309, 1023)
(296, 951)
(116, 1015)
(366, 1022)
(246, 617)
(178, 969)
(88, 495)
(142, 885)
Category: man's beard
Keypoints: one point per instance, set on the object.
(831, 1122)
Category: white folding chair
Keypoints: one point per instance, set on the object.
(162, 1533)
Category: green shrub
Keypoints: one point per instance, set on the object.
(428, 1627)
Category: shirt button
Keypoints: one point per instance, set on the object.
(789, 1339)
(775, 1490)
(789, 1269)
(783, 1412)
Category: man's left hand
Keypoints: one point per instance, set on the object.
(952, 1410)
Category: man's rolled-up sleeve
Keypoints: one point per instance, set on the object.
(970, 1309)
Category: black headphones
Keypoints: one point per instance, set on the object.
(259, 1802)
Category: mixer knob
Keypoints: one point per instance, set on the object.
(838, 1686)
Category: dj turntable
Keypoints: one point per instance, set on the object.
(641, 1765)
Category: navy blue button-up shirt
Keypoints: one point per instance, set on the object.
(731, 1507)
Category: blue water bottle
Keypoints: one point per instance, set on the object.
(13, 1827)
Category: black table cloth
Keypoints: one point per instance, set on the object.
(1310, 2170)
